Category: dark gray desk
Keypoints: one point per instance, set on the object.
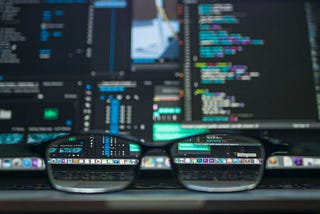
(151, 201)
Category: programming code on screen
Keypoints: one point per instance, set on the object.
(249, 64)
(157, 70)
(67, 66)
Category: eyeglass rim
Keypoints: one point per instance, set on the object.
(167, 147)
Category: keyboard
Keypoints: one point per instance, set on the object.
(93, 175)
(219, 175)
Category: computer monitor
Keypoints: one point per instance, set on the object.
(121, 66)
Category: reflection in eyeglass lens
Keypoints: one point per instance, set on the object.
(94, 163)
(218, 162)
(104, 163)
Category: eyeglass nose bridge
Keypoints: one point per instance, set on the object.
(155, 151)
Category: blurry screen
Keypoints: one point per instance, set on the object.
(157, 70)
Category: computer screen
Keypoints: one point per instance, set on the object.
(251, 64)
(154, 69)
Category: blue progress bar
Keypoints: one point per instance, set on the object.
(110, 4)
(107, 146)
(114, 116)
(112, 89)
(145, 60)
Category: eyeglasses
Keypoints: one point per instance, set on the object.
(95, 163)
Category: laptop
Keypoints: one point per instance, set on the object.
(160, 70)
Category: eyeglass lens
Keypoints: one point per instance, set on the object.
(102, 163)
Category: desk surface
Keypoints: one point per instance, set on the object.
(161, 201)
